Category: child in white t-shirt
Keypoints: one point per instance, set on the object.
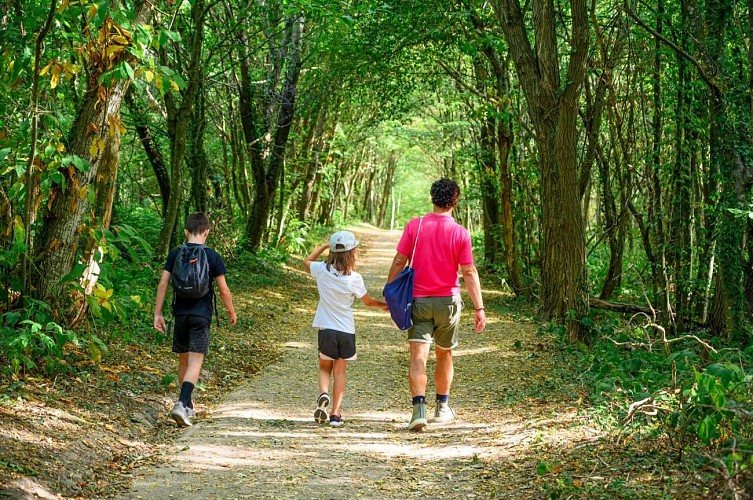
(338, 284)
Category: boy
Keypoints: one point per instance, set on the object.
(192, 315)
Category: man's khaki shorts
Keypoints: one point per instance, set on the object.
(436, 318)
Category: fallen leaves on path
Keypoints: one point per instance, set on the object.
(523, 429)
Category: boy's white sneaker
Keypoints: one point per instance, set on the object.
(335, 421)
(179, 414)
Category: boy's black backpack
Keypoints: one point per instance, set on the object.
(190, 276)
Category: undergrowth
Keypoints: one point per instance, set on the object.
(690, 397)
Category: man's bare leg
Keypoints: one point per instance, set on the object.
(443, 381)
(419, 353)
(444, 372)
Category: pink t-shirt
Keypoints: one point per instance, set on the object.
(443, 245)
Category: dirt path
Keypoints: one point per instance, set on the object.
(262, 441)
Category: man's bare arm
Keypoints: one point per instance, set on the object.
(398, 264)
(473, 285)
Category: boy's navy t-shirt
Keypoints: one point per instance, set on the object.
(203, 306)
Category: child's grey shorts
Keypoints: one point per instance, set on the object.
(191, 334)
(334, 344)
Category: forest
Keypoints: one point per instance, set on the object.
(604, 151)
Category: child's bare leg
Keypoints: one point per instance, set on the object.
(325, 371)
(189, 369)
(193, 368)
(338, 388)
(182, 367)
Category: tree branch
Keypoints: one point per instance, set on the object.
(679, 50)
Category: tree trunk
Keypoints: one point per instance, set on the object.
(615, 222)
(151, 148)
(486, 155)
(267, 179)
(682, 197)
(89, 139)
(313, 162)
(179, 116)
(389, 174)
(239, 172)
(554, 111)
(196, 157)
(30, 178)
(512, 261)
(504, 221)
(656, 210)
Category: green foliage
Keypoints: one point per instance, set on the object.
(260, 269)
(701, 408)
(294, 239)
(31, 339)
(634, 280)
(544, 468)
(125, 277)
(716, 411)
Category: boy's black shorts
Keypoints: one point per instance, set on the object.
(334, 344)
(191, 334)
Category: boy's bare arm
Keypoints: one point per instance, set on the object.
(314, 255)
(370, 301)
(227, 298)
(159, 320)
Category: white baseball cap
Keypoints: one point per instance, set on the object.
(342, 241)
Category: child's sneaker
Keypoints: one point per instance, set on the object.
(335, 420)
(321, 415)
(179, 414)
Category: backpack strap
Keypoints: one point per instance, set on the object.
(415, 243)
(212, 291)
(172, 269)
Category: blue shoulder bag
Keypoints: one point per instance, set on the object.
(398, 293)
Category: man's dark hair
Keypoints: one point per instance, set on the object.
(197, 223)
(445, 193)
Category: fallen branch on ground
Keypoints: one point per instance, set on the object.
(620, 307)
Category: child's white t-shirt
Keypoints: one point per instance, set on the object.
(336, 294)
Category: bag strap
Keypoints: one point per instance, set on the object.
(415, 243)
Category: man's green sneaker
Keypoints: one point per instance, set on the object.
(418, 420)
(443, 412)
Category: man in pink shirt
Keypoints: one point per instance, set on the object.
(441, 246)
